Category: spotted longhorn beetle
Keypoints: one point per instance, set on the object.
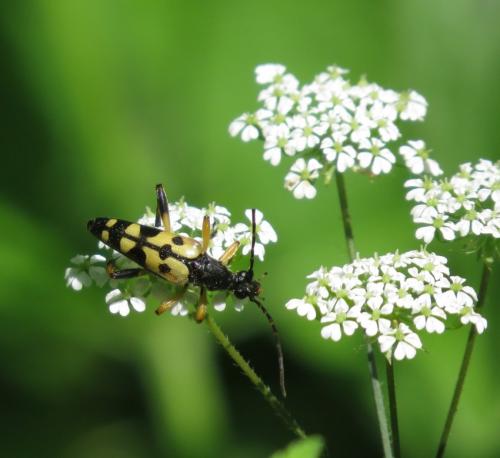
(181, 260)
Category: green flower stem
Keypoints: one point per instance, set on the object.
(391, 387)
(372, 365)
(273, 401)
(465, 364)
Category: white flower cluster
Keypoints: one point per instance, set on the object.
(467, 203)
(130, 294)
(391, 299)
(329, 123)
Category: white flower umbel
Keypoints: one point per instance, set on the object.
(126, 295)
(393, 299)
(337, 124)
(465, 205)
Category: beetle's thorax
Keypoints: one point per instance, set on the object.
(214, 275)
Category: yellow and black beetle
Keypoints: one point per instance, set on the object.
(181, 260)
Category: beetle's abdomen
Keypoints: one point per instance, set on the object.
(163, 253)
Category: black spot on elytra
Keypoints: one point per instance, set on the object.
(165, 251)
(148, 231)
(164, 269)
(116, 232)
(177, 240)
(137, 255)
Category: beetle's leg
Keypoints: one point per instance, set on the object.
(162, 209)
(228, 255)
(169, 303)
(201, 310)
(124, 273)
(205, 232)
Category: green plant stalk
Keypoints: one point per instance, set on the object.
(485, 276)
(272, 400)
(391, 387)
(372, 365)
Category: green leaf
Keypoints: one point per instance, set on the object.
(311, 447)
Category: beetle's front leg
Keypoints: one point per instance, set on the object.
(228, 255)
(124, 273)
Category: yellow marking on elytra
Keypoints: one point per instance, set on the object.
(111, 222)
(134, 230)
(105, 236)
(189, 249)
(160, 239)
(178, 269)
(178, 274)
(126, 245)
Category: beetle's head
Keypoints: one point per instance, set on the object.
(244, 286)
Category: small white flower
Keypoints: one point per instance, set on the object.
(384, 116)
(247, 125)
(373, 154)
(278, 140)
(85, 271)
(121, 303)
(305, 307)
(342, 319)
(301, 177)
(264, 233)
(412, 106)
(373, 321)
(218, 214)
(405, 341)
(428, 317)
(434, 221)
(417, 159)
(320, 286)
(334, 148)
(269, 73)
(307, 132)
(470, 316)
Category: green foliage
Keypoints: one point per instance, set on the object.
(311, 447)
(101, 100)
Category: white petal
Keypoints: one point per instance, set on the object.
(386, 342)
(138, 304)
(249, 133)
(332, 332)
(426, 233)
(349, 327)
(113, 295)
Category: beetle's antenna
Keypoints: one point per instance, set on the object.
(281, 364)
(252, 256)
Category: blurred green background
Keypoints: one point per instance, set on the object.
(101, 100)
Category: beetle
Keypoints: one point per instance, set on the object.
(181, 260)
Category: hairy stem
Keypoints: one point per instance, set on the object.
(391, 387)
(272, 400)
(465, 365)
(372, 365)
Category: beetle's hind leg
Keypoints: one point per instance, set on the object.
(162, 214)
(169, 303)
(124, 273)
